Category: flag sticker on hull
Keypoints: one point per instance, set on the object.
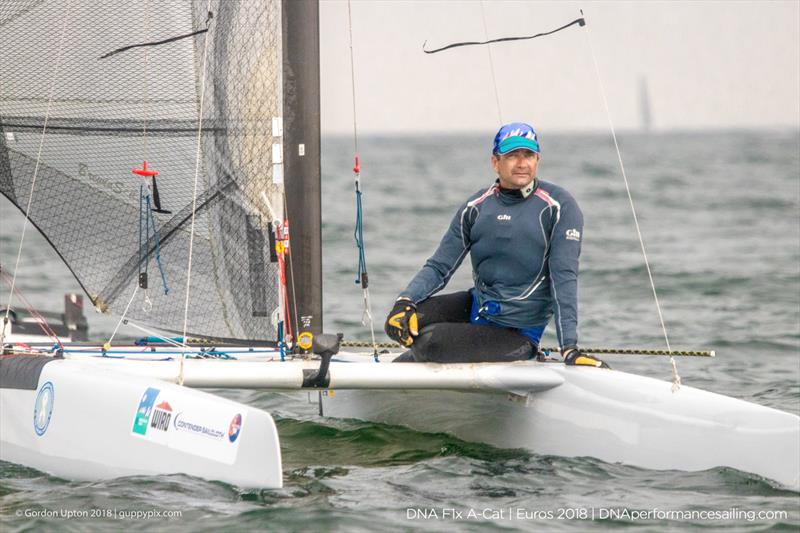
(142, 418)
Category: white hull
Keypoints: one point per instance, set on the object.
(81, 423)
(609, 415)
(553, 409)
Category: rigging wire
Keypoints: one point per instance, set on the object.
(358, 234)
(283, 255)
(151, 188)
(282, 245)
(202, 81)
(147, 303)
(291, 271)
(146, 79)
(40, 320)
(676, 380)
(36, 168)
(352, 77)
(491, 65)
(107, 344)
(122, 319)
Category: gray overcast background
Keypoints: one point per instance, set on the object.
(707, 65)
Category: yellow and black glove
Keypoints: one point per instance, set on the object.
(402, 324)
(572, 356)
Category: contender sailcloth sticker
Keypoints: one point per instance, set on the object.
(193, 425)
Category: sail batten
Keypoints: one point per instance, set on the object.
(87, 202)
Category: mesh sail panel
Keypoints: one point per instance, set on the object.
(108, 115)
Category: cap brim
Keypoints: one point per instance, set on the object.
(517, 143)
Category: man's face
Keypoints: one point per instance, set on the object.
(516, 169)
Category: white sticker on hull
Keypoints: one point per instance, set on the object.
(191, 425)
(43, 408)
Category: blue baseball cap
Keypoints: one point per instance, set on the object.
(515, 136)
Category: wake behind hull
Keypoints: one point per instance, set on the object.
(87, 423)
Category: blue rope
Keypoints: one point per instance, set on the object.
(281, 344)
(141, 222)
(158, 248)
(149, 215)
(146, 219)
(358, 234)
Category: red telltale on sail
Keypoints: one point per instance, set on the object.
(147, 173)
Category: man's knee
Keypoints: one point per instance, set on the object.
(470, 343)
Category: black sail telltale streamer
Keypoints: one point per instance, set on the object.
(580, 22)
(157, 43)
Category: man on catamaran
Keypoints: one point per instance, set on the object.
(524, 239)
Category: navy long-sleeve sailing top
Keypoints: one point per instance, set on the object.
(524, 253)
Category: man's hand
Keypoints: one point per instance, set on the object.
(402, 324)
(572, 356)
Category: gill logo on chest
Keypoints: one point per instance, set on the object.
(503, 217)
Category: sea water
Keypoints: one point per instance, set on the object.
(720, 217)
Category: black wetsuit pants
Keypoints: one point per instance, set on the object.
(447, 336)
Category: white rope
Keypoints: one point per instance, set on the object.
(270, 210)
(36, 168)
(676, 380)
(491, 65)
(144, 149)
(291, 275)
(147, 305)
(146, 102)
(352, 77)
(122, 318)
(194, 192)
(366, 317)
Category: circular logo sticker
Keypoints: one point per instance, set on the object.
(305, 340)
(43, 409)
(235, 428)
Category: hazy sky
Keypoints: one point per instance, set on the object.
(707, 64)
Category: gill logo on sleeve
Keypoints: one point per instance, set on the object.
(573, 235)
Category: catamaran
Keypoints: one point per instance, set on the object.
(162, 151)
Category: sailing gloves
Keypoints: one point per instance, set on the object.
(572, 356)
(402, 323)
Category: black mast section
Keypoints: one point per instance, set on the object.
(301, 144)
